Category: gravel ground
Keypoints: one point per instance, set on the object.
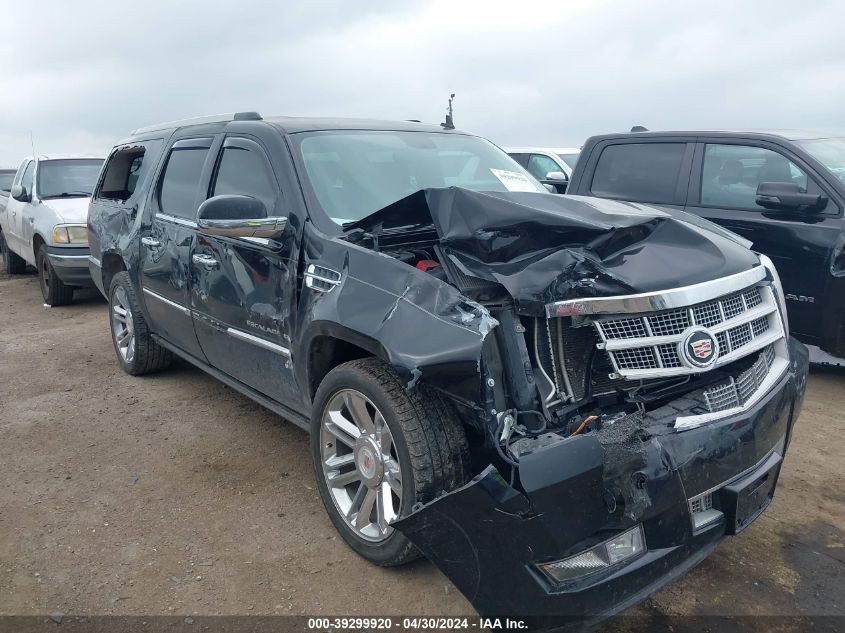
(173, 494)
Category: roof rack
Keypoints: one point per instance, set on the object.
(213, 118)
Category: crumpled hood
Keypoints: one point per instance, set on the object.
(544, 248)
(69, 210)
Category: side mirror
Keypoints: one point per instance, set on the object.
(238, 216)
(557, 176)
(20, 193)
(787, 196)
(556, 182)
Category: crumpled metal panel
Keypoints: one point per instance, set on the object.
(545, 248)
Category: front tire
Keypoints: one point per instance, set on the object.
(14, 264)
(378, 451)
(136, 350)
(53, 289)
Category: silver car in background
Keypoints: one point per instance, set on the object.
(44, 223)
(551, 166)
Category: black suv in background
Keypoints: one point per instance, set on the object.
(562, 402)
(783, 191)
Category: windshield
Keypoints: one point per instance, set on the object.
(67, 178)
(570, 159)
(354, 174)
(830, 152)
(6, 180)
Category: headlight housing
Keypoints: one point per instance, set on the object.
(70, 234)
(607, 554)
(778, 287)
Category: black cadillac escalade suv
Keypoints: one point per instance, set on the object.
(783, 191)
(561, 402)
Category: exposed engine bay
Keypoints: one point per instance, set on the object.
(550, 378)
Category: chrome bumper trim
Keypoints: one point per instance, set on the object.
(73, 261)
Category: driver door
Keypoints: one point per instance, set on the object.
(242, 288)
(723, 189)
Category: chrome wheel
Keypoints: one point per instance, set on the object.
(360, 464)
(122, 325)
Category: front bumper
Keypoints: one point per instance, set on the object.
(487, 536)
(71, 264)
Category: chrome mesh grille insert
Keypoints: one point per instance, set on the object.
(650, 345)
(626, 328)
(676, 321)
(668, 323)
(636, 358)
(738, 390)
(669, 355)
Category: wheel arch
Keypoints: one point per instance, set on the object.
(37, 241)
(111, 264)
(328, 345)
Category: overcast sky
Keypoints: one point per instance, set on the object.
(81, 75)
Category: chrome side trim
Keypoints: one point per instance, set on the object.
(174, 220)
(660, 300)
(260, 342)
(95, 261)
(172, 304)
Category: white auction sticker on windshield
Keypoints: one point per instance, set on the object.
(514, 181)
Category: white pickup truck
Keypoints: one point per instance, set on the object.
(44, 223)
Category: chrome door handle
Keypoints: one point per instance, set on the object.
(148, 241)
(204, 260)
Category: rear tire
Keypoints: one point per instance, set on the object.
(13, 264)
(136, 350)
(409, 449)
(53, 289)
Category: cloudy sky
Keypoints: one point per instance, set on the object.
(82, 74)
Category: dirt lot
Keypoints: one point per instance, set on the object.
(173, 494)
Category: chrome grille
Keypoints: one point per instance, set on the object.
(676, 321)
(637, 358)
(668, 323)
(737, 391)
(649, 345)
(626, 328)
(669, 355)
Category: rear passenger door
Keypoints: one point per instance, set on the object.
(242, 287)
(167, 239)
(723, 189)
(653, 171)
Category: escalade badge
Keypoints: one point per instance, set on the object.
(699, 349)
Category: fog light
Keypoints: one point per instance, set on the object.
(598, 558)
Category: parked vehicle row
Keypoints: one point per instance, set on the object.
(562, 401)
(783, 191)
(44, 223)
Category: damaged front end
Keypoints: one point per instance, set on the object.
(626, 373)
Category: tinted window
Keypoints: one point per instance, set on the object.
(68, 178)
(730, 174)
(178, 188)
(6, 181)
(641, 172)
(26, 179)
(540, 166)
(245, 172)
(120, 176)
